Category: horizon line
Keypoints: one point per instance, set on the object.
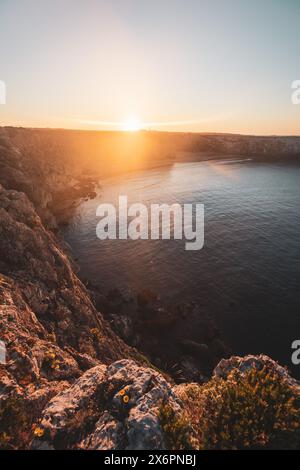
(138, 131)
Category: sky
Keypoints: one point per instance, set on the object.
(170, 65)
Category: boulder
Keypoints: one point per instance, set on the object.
(246, 363)
(124, 400)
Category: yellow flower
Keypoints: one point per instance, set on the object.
(5, 437)
(123, 391)
(39, 432)
(125, 398)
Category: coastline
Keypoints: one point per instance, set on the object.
(62, 352)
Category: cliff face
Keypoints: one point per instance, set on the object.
(69, 381)
(258, 147)
(42, 166)
(31, 259)
(48, 323)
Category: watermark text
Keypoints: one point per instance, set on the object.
(296, 354)
(296, 93)
(2, 353)
(2, 92)
(160, 221)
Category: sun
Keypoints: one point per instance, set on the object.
(131, 124)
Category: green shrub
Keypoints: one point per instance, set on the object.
(253, 410)
(15, 424)
(177, 429)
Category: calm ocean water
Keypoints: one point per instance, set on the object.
(247, 274)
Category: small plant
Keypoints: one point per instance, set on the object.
(125, 399)
(177, 429)
(52, 337)
(51, 361)
(38, 431)
(123, 393)
(96, 334)
(15, 423)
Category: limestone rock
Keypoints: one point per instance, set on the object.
(244, 364)
(124, 400)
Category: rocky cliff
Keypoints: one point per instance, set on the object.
(41, 164)
(257, 147)
(69, 381)
(48, 323)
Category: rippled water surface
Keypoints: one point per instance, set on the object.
(248, 272)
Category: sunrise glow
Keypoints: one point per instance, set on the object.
(132, 124)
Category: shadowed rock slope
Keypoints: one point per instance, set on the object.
(50, 327)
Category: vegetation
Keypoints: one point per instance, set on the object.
(51, 362)
(254, 410)
(15, 423)
(177, 429)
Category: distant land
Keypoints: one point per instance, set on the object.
(57, 167)
(116, 151)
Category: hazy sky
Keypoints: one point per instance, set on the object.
(197, 65)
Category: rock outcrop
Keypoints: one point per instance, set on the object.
(245, 364)
(121, 404)
(49, 325)
(257, 147)
(54, 301)
(40, 164)
(160, 329)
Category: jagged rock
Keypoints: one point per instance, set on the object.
(244, 364)
(65, 405)
(124, 400)
(109, 434)
(123, 326)
(158, 327)
(189, 370)
(84, 361)
(48, 297)
(46, 316)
